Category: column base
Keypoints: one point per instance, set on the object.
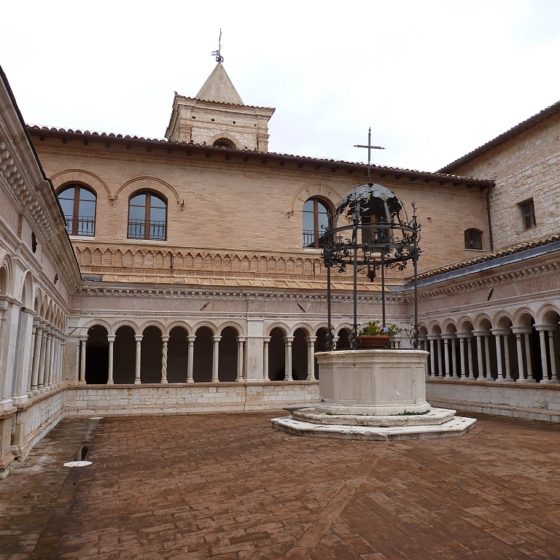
(20, 399)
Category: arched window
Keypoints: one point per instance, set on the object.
(316, 219)
(224, 143)
(473, 239)
(78, 206)
(147, 216)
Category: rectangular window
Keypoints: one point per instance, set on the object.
(527, 209)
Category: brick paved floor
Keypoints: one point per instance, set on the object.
(229, 486)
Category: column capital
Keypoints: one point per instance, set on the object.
(138, 337)
(481, 333)
(501, 331)
(165, 338)
(241, 338)
(191, 338)
(434, 337)
(522, 330)
(448, 336)
(111, 337)
(216, 338)
(545, 327)
(288, 339)
(266, 339)
(464, 334)
(82, 337)
(310, 339)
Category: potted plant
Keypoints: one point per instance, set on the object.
(374, 335)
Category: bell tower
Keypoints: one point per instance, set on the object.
(217, 116)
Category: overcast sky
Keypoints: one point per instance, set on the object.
(434, 79)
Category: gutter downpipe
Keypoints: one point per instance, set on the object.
(489, 215)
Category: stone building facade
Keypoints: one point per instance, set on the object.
(196, 281)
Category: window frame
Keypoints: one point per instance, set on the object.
(527, 211)
(75, 229)
(147, 211)
(471, 232)
(316, 233)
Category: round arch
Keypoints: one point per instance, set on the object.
(147, 183)
(178, 325)
(125, 323)
(85, 178)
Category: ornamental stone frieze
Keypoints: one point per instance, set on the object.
(42, 211)
(100, 290)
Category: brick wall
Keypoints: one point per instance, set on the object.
(526, 166)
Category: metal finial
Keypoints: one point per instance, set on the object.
(218, 53)
(369, 148)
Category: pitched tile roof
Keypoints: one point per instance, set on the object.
(514, 131)
(140, 140)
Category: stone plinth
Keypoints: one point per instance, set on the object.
(373, 382)
(373, 395)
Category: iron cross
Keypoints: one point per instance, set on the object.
(369, 148)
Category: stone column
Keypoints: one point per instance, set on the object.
(553, 370)
(62, 353)
(521, 369)
(164, 341)
(190, 358)
(288, 358)
(454, 372)
(83, 340)
(56, 343)
(215, 358)
(432, 357)
(480, 363)
(487, 357)
(48, 352)
(462, 355)
(311, 357)
(33, 348)
(138, 362)
(240, 348)
(470, 373)
(36, 357)
(544, 354)
(498, 341)
(111, 338)
(508, 376)
(530, 377)
(266, 340)
(446, 372)
(439, 347)
(42, 359)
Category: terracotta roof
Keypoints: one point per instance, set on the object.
(517, 129)
(380, 169)
(518, 248)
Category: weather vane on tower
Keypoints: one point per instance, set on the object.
(218, 53)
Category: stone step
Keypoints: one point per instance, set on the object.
(436, 416)
(457, 426)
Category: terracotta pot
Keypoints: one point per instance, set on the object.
(373, 341)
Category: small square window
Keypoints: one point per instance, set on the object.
(473, 239)
(527, 209)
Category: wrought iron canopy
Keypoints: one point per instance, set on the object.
(370, 231)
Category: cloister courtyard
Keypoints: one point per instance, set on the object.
(228, 486)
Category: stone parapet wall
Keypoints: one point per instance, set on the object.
(182, 398)
(529, 401)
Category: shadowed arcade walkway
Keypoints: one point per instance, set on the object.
(228, 486)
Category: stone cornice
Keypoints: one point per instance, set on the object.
(497, 278)
(31, 193)
(95, 289)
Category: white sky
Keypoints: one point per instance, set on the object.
(434, 79)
